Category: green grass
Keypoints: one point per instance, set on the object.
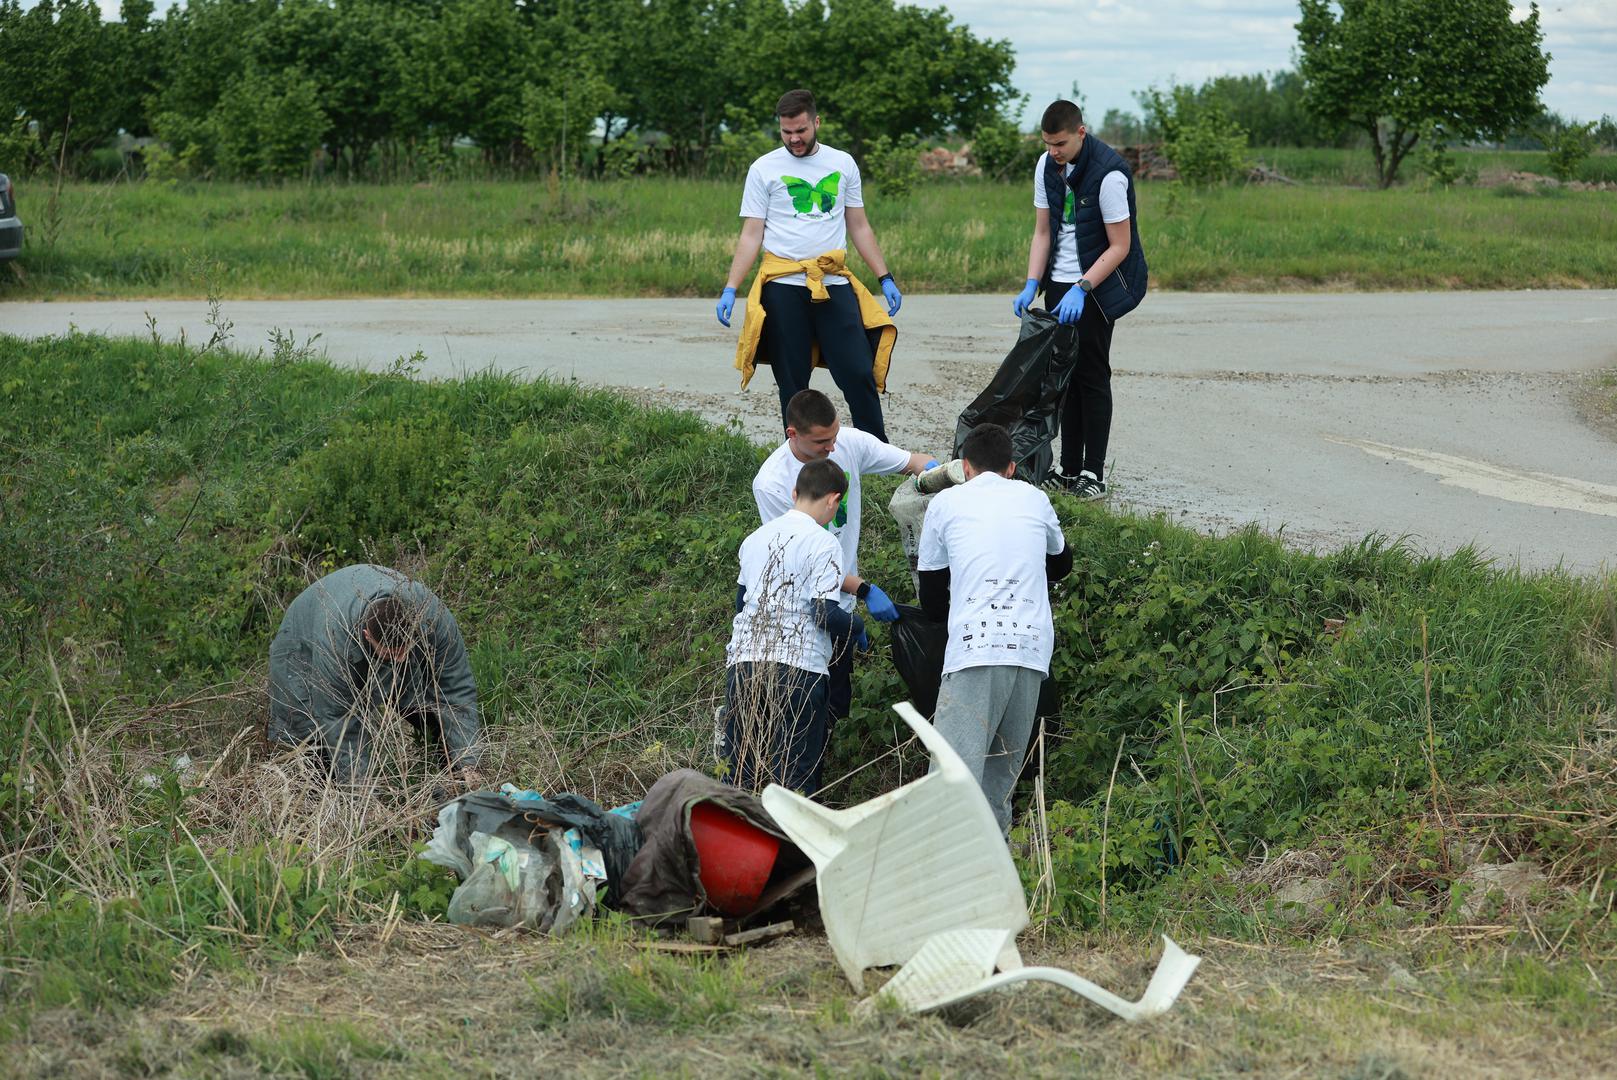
(668, 237)
(160, 506)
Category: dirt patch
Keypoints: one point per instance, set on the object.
(1596, 400)
(434, 1000)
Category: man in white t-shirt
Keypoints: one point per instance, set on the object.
(989, 549)
(1086, 251)
(813, 433)
(779, 656)
(800, 201)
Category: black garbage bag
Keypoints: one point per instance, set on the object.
(918, 647)
(1024, 396)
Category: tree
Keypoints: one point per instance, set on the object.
(1398, 68)
(1204, 144)
(59, 73)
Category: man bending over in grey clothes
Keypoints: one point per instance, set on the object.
(358, 643)
(989, 549)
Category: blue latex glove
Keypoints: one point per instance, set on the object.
(727, 305)
(881, 609)
(861, 640)
(1071, 306)
(894, 297)
(1024, 299)
(932, 463)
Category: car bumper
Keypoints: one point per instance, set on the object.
(10, 238)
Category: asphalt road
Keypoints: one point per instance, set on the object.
(1444, 418)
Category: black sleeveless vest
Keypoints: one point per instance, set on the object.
(1125, 287)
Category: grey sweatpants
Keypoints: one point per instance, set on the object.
(987, 713)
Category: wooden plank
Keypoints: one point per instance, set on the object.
(760, 935)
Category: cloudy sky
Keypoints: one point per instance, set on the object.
(1112, 48)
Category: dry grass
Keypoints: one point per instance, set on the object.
(434, 1000)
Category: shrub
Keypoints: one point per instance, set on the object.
(893, 165)
(1199, 137)
(374, 482)
(1002, 150)
(1568, 147)
(1441, 167)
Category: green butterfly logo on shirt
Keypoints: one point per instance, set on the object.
(841, 517)
(806, 196)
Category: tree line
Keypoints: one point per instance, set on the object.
(383, 88)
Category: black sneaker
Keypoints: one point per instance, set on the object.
(1089, 486)
(1086, 485)
(1060, 481)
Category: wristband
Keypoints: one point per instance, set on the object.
(885, 277)
(863, 591)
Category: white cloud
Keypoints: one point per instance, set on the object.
(1114, 49)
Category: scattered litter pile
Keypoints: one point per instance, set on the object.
(918, 877)
(692, 846)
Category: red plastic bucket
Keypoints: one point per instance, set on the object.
(734, 857)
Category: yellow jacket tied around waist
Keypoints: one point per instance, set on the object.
(871, 312)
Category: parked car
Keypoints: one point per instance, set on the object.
(10, 224)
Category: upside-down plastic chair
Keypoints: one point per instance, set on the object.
(921, 876)
(959, 964)
(915, 862)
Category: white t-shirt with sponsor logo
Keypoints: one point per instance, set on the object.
(1114, 207)
(860, 454)
(802, 201)
(993, 534)
(786, 565)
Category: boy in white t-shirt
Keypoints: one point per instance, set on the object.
(989, 549)
(814, 433)
(787, 615)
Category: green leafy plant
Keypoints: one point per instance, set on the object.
(1569, 146)
(1201, 140)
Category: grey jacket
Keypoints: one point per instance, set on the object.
(325, 685)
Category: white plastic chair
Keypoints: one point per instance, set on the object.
(921, 877)
(924, 859)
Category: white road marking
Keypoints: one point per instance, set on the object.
(1497, 481)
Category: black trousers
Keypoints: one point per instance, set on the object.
(775, 726)
(795, 323)
(839, 693)
(1086, 410)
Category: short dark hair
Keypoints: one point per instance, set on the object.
(988, 448)
(1062, 116)
(796, 103)
(820, 478)
(392, 623)
(810, 409)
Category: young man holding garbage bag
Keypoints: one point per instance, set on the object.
(813, 433)
(801, 203)
(1092, 269)
(359, 643)
(779, 657)
(989, 549)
